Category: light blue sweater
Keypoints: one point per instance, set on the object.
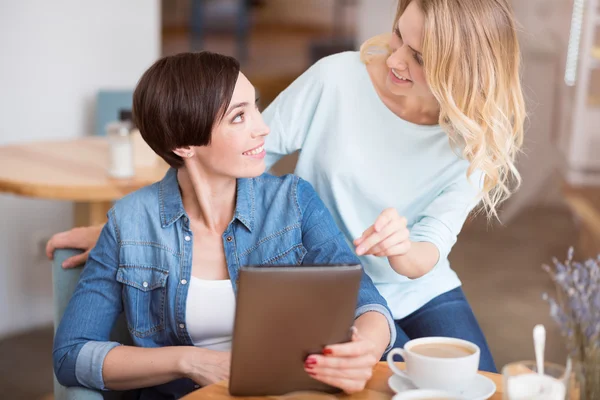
(362, 158)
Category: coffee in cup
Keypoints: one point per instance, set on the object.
(438, 362)
(442, 350)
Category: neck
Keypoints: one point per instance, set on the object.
(207, 198)
(424, 109)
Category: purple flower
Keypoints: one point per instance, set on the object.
(576, 306)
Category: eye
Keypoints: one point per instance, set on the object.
(238, 118)
(418, 59)
(397, 33)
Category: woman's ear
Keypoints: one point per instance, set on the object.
(184, 152)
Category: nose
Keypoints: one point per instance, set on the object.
(260, 129)
(396, 60)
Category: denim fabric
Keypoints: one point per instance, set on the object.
(142, 264)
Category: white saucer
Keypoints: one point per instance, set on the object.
(482, 388)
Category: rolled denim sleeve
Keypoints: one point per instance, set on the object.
(325, 244)
(82, 340)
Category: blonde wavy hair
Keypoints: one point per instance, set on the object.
(471, 60)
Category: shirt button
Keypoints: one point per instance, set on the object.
(185, 219)
(229, 238)
(196, 386)
(187, 238)
(181, 326)
(183, 281)
(145, 284)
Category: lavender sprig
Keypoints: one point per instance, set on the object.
(576, 310)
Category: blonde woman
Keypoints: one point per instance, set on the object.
(402, 140)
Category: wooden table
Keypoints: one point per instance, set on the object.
(73, 170)
(584, 202)
(377, 388)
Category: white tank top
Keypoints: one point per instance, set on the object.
(210, 312)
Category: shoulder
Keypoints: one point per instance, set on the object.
(269, 188)
(337, 66)
(324, 80)
(140, 202)
(289, 188)
(335, 62)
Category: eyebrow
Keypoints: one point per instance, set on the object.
(234, 106)
(243, 104)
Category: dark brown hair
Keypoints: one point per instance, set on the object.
(179, 99)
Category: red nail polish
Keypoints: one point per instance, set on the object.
(308, 366)
(310, 362)
(327, 352)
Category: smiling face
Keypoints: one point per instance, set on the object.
(236, 147)
(406, 75)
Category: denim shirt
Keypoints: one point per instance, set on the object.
(142, 265)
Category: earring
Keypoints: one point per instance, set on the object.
(189, 154)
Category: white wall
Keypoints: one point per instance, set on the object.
(54, 56)
(374, 17)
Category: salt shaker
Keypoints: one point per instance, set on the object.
(120, 150)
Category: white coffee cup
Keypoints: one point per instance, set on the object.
(428, 372)
(421, 394)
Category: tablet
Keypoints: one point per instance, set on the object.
(284, 314)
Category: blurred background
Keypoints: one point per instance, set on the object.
(57, 57)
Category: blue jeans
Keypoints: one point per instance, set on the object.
(449, 315)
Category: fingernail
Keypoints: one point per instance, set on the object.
(360, 250)
(327, 352)
(310, 362)
(311, 373)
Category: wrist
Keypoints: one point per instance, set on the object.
(402, 265)
(186, 356)
(418, 261)
(374, 327)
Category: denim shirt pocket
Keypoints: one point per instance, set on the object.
(144, 298)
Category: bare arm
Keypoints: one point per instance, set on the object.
(128, 367)
(419, 260)
(373, 326)
(389, 237)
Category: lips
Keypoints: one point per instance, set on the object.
(255, 151)
(399, 76)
